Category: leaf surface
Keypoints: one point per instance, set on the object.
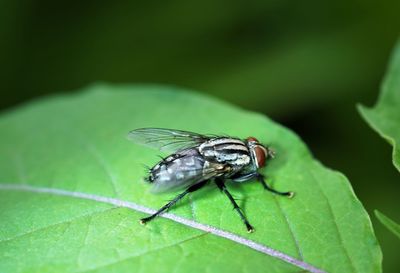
(384, 117)
(64, 157)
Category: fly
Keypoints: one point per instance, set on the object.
(198, 159)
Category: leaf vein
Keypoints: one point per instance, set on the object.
(54, 224)
(137, 255)
(296, 242)
(334, 221)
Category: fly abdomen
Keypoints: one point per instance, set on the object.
(226, 150)
(176, 171)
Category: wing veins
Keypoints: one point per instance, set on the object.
(166, 139)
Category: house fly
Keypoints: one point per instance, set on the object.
(198, 159)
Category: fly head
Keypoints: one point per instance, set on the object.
(259, 153)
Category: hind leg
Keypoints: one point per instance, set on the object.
(192, 188)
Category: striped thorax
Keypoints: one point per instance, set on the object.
(226, 150)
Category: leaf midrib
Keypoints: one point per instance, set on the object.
(209, 229)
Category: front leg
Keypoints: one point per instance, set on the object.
(261, 179)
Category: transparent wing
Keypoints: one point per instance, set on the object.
(166, 139)
(191, 177)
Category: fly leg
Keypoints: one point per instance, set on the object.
(222, 187)
(260, 178)
(192, 188)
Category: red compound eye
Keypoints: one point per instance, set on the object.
(260, 156)
(258, 151)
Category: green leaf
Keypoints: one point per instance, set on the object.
(389, 223)
(384, 117)
(72, 193)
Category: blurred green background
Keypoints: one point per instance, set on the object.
(303, 63)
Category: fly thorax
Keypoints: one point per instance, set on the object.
(226, 150)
